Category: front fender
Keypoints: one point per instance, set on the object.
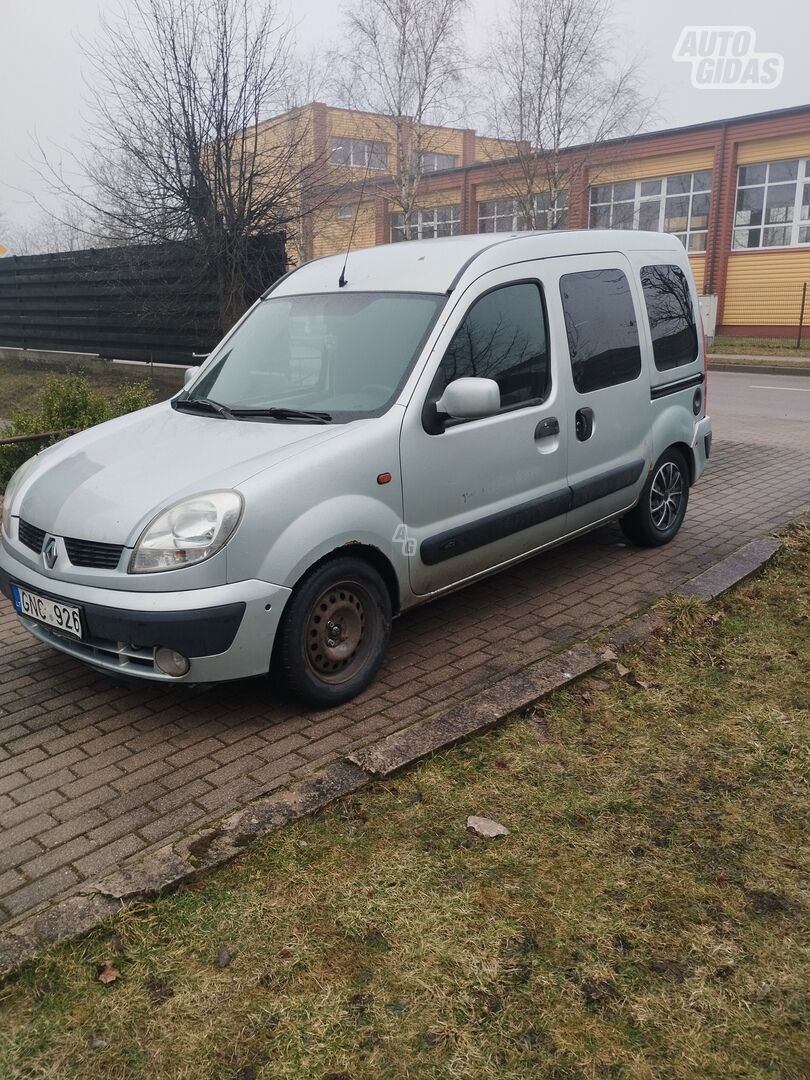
(330, 526)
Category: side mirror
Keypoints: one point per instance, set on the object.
(189, 374)
(470, 399)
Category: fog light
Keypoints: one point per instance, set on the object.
(171, 663)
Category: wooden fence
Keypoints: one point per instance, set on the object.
(147, 302)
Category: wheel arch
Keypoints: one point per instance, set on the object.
(356, 549)
(688, 456)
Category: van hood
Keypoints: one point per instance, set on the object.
(106, 483)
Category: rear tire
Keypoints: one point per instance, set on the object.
(334, 632)
(659, 513)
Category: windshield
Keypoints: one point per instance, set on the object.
(343, 354)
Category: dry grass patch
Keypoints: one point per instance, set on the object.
(726, 343)
(23, 384)
(647, 917)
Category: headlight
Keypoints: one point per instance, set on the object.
(187, 533)
(11, 490)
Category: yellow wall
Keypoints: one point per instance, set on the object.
(487, 149)
(764, 288)
(776, 149)
(445, 141)
(330, 234)
(499, 190)
(644, 168)
(505, 189)
(293, 127)
(357, 125)
(451, 197)
(698, 264)
(692, 161)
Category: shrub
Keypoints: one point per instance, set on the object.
(69, 403)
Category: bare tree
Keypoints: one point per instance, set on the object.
(60, 229)
(177, 148)
(552, 86)
(404, 60)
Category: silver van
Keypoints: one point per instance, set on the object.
(366, 438)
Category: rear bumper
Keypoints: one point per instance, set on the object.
(227, 631)
(701, 445)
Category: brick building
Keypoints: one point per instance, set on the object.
(736, 191)
(341, 145)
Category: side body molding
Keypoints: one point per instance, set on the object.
(493, 527)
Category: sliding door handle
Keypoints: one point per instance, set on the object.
(583, 424)
(546, 428)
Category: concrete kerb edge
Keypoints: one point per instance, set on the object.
(740, 367)
(219, 843)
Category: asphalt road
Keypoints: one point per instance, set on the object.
(775, 397)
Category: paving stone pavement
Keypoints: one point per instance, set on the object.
(93, 772)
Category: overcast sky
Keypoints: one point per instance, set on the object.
(41, 88)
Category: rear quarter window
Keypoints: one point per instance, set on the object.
(671, 316)
(600, 322)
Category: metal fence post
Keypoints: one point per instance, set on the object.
(801, 316)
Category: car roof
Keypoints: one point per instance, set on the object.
(437, 266)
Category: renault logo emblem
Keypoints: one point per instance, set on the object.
(50, 553)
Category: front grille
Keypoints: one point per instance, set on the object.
(91, 554)
(31, 536)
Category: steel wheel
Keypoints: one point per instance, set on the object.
(334, 631)
(337, 634)
(666, 496)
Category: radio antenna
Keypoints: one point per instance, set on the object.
(342, 279)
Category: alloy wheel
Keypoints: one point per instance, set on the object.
(666, 496)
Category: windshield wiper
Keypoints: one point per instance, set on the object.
(282, 413)
(203, 404)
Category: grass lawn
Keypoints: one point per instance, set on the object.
(22, 383)
(761, 346)
(647, 917)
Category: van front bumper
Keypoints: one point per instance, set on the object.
(226, 632)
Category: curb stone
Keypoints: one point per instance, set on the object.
(219, 843)
(485, 709)
(740, 367)
(741, 564)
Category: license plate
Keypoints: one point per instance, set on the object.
(53, 613)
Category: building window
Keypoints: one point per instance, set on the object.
(435, 162)
(671, 316)
(363, 153)
(600, 323)
(427, 224)
(773, 204)
(505, 215)
(677, 204)
(503, 337)
(345, 213)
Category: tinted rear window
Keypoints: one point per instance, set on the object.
(672, 319)
(600, 321)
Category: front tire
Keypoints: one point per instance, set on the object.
(659, 513)
(335, 632)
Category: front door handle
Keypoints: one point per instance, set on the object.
(583, 423)
(549, 426)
